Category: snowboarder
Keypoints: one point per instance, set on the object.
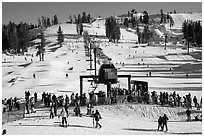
(160, 122)
(164, 122)
(97, 116)
(64, 117)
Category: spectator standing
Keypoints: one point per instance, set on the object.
(35, 96)
(164, 122)
(195, 101)
(160, 122)
(188, 113)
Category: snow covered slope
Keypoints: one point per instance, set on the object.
(180, 18)
(66, 28)
(98, 28)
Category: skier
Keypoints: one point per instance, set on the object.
(64, 117)
(52, 111)
(97, 116)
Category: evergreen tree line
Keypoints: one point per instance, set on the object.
(82, 18)
(192, 32)
(15, 37)
(112, 29)
(131, 19)
(145, 35)
(45, 22)
(166, 18)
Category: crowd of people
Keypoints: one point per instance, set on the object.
(54, 103)
(173, 99)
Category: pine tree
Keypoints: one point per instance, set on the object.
(55, 20)
(126, 22)
(89, 18)
(81, 28)
(168, 17)
(23, 36)
(41, 49)
(70, 18)
(48, 22)
(39, 23)
(162, 16)
(84, 18)
(5, 41)
(60, 38)
(138, 34)
(12, 37)
(112, 29)
(86, 37)
(133, 20)
(128, 14)
(79, 20)
(75, 19)
(117, 33)
(145, 18)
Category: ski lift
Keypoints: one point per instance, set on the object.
(107, 74)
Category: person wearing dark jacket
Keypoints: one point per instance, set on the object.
(35, 96)
(164, 122)
(188, 113)
(97, 116)
(160, 122)
(195, 101)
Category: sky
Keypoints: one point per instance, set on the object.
(30, 11)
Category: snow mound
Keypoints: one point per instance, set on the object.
(143, 111)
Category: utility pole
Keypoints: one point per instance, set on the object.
(90, 56)
(95, 59)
